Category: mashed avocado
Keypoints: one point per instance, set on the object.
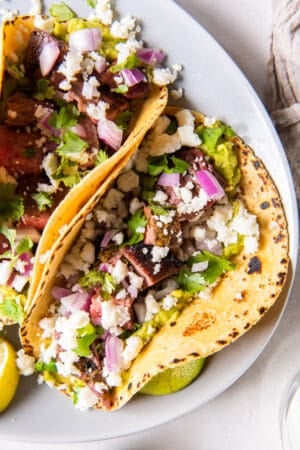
(11, 305)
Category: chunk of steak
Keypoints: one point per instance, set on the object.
(138, 91)
(162, 233)
(140, 257)
(19, 153)
(21, 110)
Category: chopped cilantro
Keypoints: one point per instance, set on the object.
(190, 282)
(61, 12)
(14, 70)
(160, 164)
(12, 308)
(159, 210)
(66, 117)
(136, 226)
(44, 90)
(85, 337)
(123, 119)
(41, 366)
(216, 265)
(172, 127)
(24, 245)
(29, 153)
(71, 144)
(67, 173)
(130, 63)
(96, 278)
(43, 200)
(101, 157)
(121, 89)
(11, 204)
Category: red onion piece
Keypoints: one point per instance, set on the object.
(58, 292)
(150, 56)
(95, 310)
(48, 57)
(113, 353)
(44, 124)
(85, 40)
(110, 133)
(103, 267)
(169, 179)
(107, 238)
(100, 64)
(210, 184)
(77, 301)
(79, 130)
(26, 257)
(132, 76)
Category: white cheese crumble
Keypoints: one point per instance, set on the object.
(158, 253)
(168, 302)
(133, 346)
(113, 316)
(86, 399)
(152, 307)
(164, 76)
(123, 29)
(25, 363)
(103, 12)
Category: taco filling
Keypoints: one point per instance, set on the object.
(162, 236)
(70, 89)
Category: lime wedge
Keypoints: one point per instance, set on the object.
(9, 374)
(174, 379)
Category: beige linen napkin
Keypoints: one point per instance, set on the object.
(284, 76)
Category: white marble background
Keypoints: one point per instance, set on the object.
(246, 416)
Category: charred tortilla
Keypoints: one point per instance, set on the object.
(204, 326)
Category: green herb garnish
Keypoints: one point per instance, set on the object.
(61, 12)
(43, 200)
(11, 204)
(165, 164)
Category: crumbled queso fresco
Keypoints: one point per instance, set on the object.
(142, 255)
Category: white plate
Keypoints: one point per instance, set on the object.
(213, 84)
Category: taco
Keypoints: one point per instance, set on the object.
(182, 254)
(76, 96)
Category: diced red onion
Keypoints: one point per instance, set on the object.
(48, 57)
(132, 76)
(58, 292)
(79, 130)
(110, 133)
(85, 40)
(140, 311)
(169, 179)
(100, 64)
(44, 124)
(103, 267)
(150, 56)
(77, 301)
(107, 238)
(26, 257)
(113, 353)
(210, 184)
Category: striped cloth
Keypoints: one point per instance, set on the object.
(284, 78)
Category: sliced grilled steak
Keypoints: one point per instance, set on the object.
(161, 233)
(19, 152)
(140, 258)
(21, 110)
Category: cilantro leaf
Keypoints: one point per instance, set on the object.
(9, 233)
(67, 173)
(43, 200)
(44, 90)
(71, 144)
(121, 89)
(130, 63)
(41, 366)
(101, 157)
(11, 204)
(14, 70)
(96, 278)
(160, 164)
(190, 282)
(136, 226)
(61, 12)
(216, 265)
(85, 337)
(65, 117)
(12, 308)
(24, 245)
(123, 119)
